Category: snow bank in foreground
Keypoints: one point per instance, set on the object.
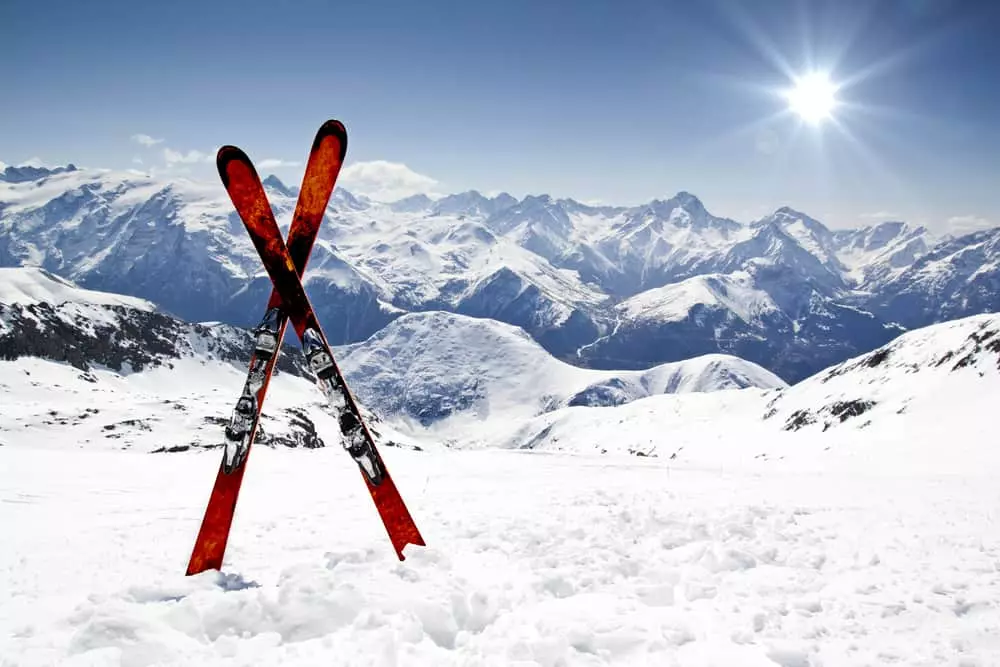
(532, 559)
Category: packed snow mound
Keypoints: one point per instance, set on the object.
(950, 369)
(431, 366)
(30, 285)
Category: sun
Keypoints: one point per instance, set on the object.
(813, 98)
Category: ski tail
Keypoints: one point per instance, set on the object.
(325, 160)
(400, 526)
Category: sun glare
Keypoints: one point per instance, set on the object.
(813, 98)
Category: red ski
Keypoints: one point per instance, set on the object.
(325, 160)
(248, 196)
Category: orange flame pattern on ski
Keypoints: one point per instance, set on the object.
(248, 196)
(325, 160)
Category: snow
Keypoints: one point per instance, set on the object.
(881, 252)
(734, 292)
(849, 519)
(561, 270)
(49, 405)
(31, 285)
(732, 541)
(477, 374)
(531, 559)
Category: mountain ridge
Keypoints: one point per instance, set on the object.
(556, 268)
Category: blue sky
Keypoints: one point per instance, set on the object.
(619, 102)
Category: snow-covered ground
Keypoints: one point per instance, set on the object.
(532, 559)
(846, 520)
(49, 405)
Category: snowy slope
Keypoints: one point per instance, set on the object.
(734, 293)
(81, 368)
(46, 316)
(424, 367)
(732, 541)
(437, 365)
(31, 285)
(897, 407)
(640, 562)
(956, 277)
(175, 407)
(945, 372)
(874, 255)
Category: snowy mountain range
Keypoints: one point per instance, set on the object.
(120, 369)
(601, 287)
(423, 369)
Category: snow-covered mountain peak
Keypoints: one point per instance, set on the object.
(538, 223)
(470, 203)
(807, 231)
(933, 369)
(877, 236)
(32, 285)
(434, 366)
(685, 201)
(272, 182)
(732, 293)
(31, 172)
(344, 199)
(796, 240)
(504, 200)
(682, 211)
(555, 267)
(412, 204)
(876, 253)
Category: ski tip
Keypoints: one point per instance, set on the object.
(225, 156)
(332, 128)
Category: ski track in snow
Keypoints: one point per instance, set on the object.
(533, 559)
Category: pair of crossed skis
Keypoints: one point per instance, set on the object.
(285, 263)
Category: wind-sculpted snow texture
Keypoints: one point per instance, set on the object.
(606, 287)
